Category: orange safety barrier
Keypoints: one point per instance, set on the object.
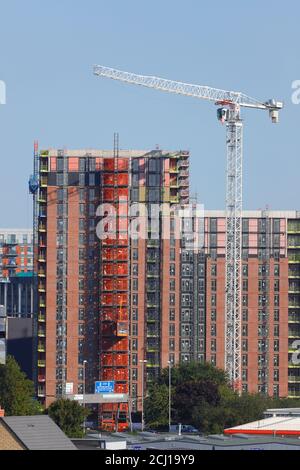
(123, 313)
(121, 359)
(108, 269)
(123, 193)
(122, 284)
(108, 254)
(121, 299)
(122, 254)
(107, 299)
(115, 374)
(122, 269)
(107, 359)
(108, 194)
(122, 180)
(109, 163)
(108, 180)
(117, 284)
(112, 359)
(108, 284)
(122, 163)
(121, 388)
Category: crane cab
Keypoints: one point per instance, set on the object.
(222, 114)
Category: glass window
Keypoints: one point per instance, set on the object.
(213, 225)
(172, 329)
(172, 314)
(245, 225)
(172, 269)
(276, 225)
(81, 179)
(92, 179)
(135, 269)
(213, 270)
(59, 179)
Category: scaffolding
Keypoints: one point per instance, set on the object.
(114, 293)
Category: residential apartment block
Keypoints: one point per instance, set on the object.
(16, 271)
(104, 305)
(121, 307)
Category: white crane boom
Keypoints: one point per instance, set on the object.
(181, 88)
(230, 102)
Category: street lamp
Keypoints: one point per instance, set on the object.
(170, 365)
(83, 401)
(143, 361)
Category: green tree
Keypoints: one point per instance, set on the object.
(157, 406)
(203, 397)
(69, 415)
(189, 397)
(17, 391)
(193, 371)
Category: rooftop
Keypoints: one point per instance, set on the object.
(38, 432)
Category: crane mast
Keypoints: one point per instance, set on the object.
(230, 103)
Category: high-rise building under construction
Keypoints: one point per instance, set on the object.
(123, 307)
(104, 305)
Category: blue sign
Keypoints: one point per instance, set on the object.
(104, 387)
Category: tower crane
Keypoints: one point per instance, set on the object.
(229, 110)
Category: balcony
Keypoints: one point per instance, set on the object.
(174, 184)
(42, 273)
(294, 394)
(42, 318)
(42, 198)
(153, 334)
(44, 182)
(174, 170)
(183, 163)
(42, 228)
(42, 256)
(41, 378)
(293, 258)
(41, 392)
(43, 168)
(41, 363)
(294, 379)
(41, 347)
(42, 303)
(174, 199)
(41, 333)
(294, 274)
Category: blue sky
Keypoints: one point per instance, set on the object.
(47, 50)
